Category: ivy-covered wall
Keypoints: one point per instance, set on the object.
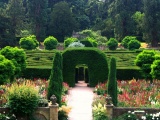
(95, 60)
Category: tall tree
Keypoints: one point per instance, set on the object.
(15, 11)
(152, 21)
(37, 11)
(6, 34)
(56, 78)
(112, 81)
(121, 12)
(62, 22)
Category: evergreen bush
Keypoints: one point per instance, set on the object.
(134, 44)
(17, 56)
(56, 78)
(126, 40)
(144, 61)
(29, 42)
(68, 41)
(23, 98)
(112, 44)
(7, 69)
(50, 43)
(93, 58)
(155, 68)
(112, 81)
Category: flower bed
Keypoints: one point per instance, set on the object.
(40, 85)
(132, 95)
(135, 93)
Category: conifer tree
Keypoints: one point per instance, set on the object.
(112, 82)
(56, 78)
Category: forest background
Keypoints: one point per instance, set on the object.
(59, 18)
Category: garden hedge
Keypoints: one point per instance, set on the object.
(95, 60)
(31, 73)
(122, 73)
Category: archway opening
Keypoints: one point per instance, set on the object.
(81, 74)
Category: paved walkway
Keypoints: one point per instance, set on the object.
(80, 99)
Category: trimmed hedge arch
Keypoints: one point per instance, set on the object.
(92, 57)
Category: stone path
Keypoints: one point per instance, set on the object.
(80, 99)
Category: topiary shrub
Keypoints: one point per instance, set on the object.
(56, 78)
(155, 68)
(126, 40)
(112, 81)
(29, 42)
(76, 44)
(17, 56)
(68, 41)
(23, 98)
(93, 58)
(134, 44)
(89, 42)
(144, 61)
(7, 69)
(112, 44)
(50, 43)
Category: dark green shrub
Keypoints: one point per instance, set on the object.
(126, 40)
(68, 41)
(129, 73)
(50, 43)
(112, 81)
(56, 78)
(134, 44)
(29, 42)
(7, 69)
(155, 68)
(93, 58)
(18, 57)
(31, 73)
(144, 61)
(112, 44)
(89, 42)
(23, 98)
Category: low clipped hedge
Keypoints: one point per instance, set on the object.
(95, 60)
(122, 73)
(128, 73)
(31, 73)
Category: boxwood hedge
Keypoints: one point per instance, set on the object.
(95, 60)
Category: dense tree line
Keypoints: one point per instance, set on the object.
(114, 18)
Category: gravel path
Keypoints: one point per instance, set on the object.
(80, 99)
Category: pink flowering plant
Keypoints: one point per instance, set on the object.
(135, 93)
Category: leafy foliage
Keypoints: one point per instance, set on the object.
(68, 41)
(29, 42)
(7, 69)
(56, 78)
(18, 58)
(134, 44)
(144, 61)
(112, 44)
(155, 68)
(126, 40)
(23, 98)
(112, 82)
(50, 43)
(75, 45)
(98, 70)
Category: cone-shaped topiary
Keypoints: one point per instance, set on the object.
(112, 82)
(56, 78)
